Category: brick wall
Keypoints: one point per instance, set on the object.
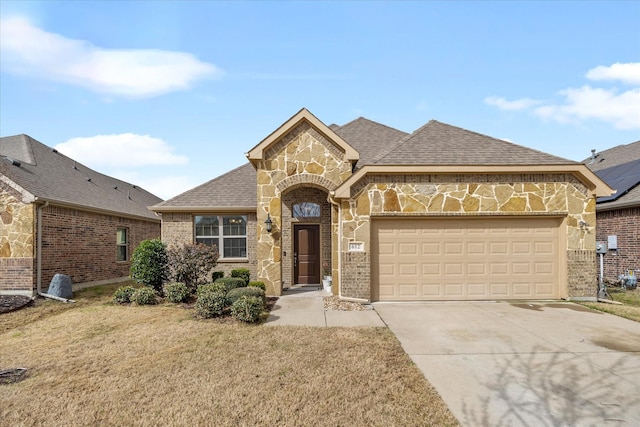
(83, 244)
(16, 241)
(177, 229)
(582, 274)
(624, 223)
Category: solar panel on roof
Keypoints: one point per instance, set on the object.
(621, 178)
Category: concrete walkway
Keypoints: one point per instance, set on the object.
(524, 364)
(305, 307)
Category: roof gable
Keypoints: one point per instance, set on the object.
(371, 139)
(258, 152)
(51, 176)
(438, 143)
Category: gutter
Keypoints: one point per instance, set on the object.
(39, 292)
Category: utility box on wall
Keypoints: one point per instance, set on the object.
(601, 247)
(612, 242)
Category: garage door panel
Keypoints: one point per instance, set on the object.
(466, 259)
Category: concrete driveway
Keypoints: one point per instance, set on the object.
(524, 364)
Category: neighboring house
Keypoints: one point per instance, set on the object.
(58, 216)
(440, 214)
(618, 215)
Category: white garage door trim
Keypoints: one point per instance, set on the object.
(479, 258)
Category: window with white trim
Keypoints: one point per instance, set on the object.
(122, 243)
(228, 233)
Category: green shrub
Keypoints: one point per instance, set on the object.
(243, 273)
(234, 294)
(217, 275)
(149, 264)
(192, 264)
(231, 282)
(211, 300)
(247, 308)
(144, 296)
(175, 292)
(122, 295)
(260, 285)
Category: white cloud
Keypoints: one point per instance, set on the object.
(620, 109)
(122, 150)
(518, 104)
(625, 72)
(28, 50)
(162, 186)
(611, 105)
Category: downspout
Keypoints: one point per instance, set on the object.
(330, 199)
(39, 257)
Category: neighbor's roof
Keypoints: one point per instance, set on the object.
(620, 168)
(48, 175)
(435, 143)
(235, 189)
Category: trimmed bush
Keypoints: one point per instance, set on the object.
(211, 300)
(247, 308)
(149, 264)
(122, 295)
(234, 294)
(192, 264)
(243, 273)
(232, 282)
(260, 285)
(144, 296)
(217, 275)
(175, 292)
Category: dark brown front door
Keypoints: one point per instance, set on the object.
(306, 256)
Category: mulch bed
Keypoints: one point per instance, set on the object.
(13, 302)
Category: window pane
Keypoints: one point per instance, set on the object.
(234, 226)
(121, 236)
(206, 225)
(306, 210)
(121, 254)
(209, 241)
(235, 248)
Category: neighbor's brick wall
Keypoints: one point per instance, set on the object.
(82, 244)
(178, 229)
(624, 223)
(16, 241)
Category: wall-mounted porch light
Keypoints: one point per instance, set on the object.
(268, 223)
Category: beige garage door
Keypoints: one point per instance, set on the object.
(465, 259)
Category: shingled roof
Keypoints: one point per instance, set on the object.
(51, 176)
(435, 143)
(438, 143)
(234, 189)
(618, 166)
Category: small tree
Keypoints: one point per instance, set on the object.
(192, 264)
(149, 264)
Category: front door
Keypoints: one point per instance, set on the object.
(306, 254)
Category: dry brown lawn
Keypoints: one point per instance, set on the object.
(630, 300)
(95, 363)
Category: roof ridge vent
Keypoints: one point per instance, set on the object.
(14, 162)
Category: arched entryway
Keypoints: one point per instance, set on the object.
(306, 236)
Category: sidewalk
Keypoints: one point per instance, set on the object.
(305, 307)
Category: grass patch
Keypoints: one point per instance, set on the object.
(630, 300)
(98, 363)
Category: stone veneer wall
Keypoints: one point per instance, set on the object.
(82, 244)
(303, 157)
(625, 224)
(290, 198)
(482, 194)
(178, 229)
(16, 241)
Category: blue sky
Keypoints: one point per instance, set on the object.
(168, 95)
